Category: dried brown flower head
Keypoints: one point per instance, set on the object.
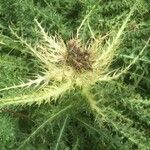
(78, 57)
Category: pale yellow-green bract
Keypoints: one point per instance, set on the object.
(56, 76)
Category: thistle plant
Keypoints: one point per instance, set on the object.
(67, 65)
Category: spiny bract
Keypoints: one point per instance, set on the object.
(65, 66)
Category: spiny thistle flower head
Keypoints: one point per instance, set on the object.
(73, 60)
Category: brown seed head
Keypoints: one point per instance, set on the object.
(78, 57)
